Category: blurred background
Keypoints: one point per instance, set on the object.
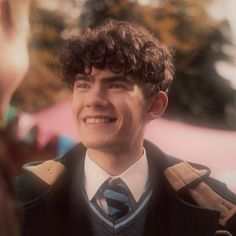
(200, 122)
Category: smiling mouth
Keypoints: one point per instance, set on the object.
(100, 120)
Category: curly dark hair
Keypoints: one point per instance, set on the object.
(121, 47)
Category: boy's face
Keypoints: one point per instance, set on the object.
(109, 110)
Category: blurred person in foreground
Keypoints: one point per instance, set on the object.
(115, 182)
(14, 25)
(14, 62)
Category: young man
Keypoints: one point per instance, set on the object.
(115, 182)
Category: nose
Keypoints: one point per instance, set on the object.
(96, 98)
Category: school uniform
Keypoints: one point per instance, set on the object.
(174, 198)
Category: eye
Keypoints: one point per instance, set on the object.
(116, 86)
(82, 85)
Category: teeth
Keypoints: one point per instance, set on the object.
(97, 120)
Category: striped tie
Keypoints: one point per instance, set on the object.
(118, 198)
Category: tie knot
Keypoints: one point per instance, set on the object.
(118, 198)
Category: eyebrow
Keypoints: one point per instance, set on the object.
(106, 79)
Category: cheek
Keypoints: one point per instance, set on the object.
(134, 112)
(76, 105)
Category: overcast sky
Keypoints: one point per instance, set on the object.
(225, 9)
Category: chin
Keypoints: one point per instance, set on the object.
(94, 143)
(101, 145)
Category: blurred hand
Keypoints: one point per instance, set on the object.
(14, 61)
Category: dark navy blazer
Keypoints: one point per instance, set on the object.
(49, 210)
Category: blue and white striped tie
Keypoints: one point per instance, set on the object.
(118, 198)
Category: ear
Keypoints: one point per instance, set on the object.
(157, 106)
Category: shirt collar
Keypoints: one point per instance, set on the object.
(136, 173)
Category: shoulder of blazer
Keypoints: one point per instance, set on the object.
(38, 178)
(195, 181)
(204, 190)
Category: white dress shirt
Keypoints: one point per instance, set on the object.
(135, 177)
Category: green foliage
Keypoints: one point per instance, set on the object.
(96, 11)
(46, 27)
(42, 87)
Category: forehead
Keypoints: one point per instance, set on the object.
(96, 73)
(100, 75)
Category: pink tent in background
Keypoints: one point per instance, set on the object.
(214, 148)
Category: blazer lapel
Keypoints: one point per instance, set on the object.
(68, 194)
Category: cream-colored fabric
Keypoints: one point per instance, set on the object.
(223, 232)
(205, 197)
(48, 171)
(182, 174)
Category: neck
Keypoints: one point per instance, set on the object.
(116, 162)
